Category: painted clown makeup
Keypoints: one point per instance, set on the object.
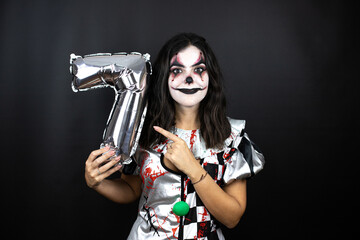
(188, 78)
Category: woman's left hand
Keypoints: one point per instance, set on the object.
(178, 152)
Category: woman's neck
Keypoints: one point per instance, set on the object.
(187, 117)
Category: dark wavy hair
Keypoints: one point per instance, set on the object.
(214, 125)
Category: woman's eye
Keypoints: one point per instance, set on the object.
(176, 71)
(199, 70)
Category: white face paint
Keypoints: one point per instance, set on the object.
(188, 78)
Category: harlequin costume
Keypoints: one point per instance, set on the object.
(162, 187)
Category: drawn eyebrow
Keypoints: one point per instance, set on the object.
(176, 63)
(199, 62)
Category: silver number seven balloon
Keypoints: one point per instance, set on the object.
(127, 75)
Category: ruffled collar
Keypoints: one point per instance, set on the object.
(194, 141)
(197, 144)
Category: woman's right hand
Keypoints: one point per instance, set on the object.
(97, 167)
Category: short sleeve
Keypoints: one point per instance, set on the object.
(245, 159)
(133, 168)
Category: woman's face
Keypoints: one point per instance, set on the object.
(188, 78)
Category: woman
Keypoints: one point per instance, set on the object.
(190, 151)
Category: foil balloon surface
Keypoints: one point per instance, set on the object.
(127, 74)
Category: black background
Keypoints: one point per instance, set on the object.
(289, 69)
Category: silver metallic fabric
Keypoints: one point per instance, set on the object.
(162, 188)
(127, 75)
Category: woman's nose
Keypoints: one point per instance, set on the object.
(189, 80)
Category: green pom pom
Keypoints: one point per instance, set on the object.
(181, 208)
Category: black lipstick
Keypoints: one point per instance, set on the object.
(189, 90)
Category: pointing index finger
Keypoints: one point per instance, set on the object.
(167, 134)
